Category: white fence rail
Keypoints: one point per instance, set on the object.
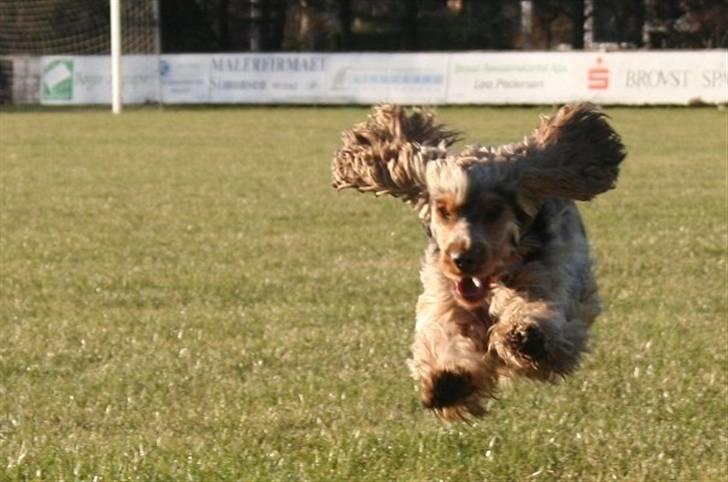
(633, 78)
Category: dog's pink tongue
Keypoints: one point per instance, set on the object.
(471, 289)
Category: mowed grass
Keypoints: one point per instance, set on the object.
(184, 298)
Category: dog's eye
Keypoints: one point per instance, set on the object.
(443, 212)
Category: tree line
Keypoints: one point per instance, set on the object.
(439, 25)
(365, 25)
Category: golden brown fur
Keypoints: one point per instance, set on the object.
(507, 275)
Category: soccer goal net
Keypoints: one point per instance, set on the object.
(33, 28)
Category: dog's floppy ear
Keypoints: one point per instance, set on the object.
(387, 153)
(575, 154)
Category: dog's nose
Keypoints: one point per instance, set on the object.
(471, 260)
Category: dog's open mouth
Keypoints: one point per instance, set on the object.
(472, 289)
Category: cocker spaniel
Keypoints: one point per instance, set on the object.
(507, 275)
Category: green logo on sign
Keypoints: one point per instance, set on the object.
(58, 80)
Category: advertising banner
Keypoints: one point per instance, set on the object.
(326, 78)
(87, 79)
(611, 78)
(400, 78)
(267, 78)
(514, 78)
(184, 79)
(633, 78)
(659, 77)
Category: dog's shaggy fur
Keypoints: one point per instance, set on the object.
(507, 276)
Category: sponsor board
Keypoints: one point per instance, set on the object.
(328, 78)
(403, 78)
(670, 77)
(267, 78)
(57, 85)
(676, 77)
(611, 78)
(183, 79)
(87, 79)
(507, 78)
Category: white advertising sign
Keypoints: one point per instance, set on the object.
(402, 78)
(661, 77)
(267, 78)
(610, 78)
(184, 79)
(514, 78)
(87, 79)
(637, 77)
(327, 78)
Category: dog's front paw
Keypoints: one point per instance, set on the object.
(540, 349)
(459, 391)
(455, 395)
(454, 373)
(527, 342)
(446, 389)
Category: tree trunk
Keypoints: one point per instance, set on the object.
(223, 25)
(278, 26)
(549, 34)
(345, 21)
(264, 25)
(639, 15)
(254, 33)
(409, 24)
(578, 18)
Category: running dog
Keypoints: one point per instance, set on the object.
(508, 284)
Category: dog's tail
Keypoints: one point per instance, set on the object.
(387, 153)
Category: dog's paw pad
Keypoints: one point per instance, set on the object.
(530, 343)
(448, 389)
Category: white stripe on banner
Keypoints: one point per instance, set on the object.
(675, 77)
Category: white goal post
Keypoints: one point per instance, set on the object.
(116, 56)
(125, 19)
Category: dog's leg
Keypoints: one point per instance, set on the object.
(453, 370)
(546, 305)
(450, 360)
(535, 337)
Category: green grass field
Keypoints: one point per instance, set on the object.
(184, 298)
